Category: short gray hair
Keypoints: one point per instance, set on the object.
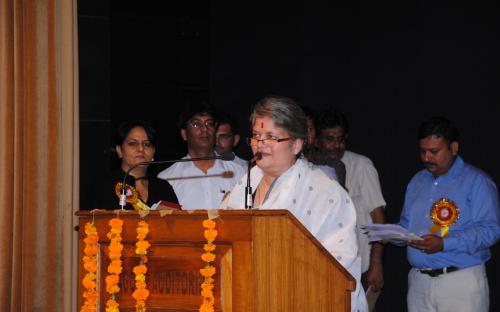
(285, 113)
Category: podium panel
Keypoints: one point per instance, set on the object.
(265, 261)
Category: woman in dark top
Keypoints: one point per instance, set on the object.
(134, 144)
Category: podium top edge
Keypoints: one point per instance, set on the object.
(236, 212)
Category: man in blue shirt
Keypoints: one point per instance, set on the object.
(454, 207)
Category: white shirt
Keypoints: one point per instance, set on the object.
(240, 161)
(363, 185)
(197, 190)
(321, 205)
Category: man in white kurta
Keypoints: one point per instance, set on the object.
(196, 189)
(321, 205)
(363, 184)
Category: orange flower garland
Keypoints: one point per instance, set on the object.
(209, 270)
(90, 265)
(140, 293)
(115, 266)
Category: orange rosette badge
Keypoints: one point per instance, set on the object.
(131, 195)
(444, 213)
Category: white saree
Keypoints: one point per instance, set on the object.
(321, 205)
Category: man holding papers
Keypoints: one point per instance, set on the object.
(453, 207)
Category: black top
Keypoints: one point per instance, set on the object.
(104, 195)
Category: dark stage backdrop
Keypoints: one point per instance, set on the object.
(388, 65)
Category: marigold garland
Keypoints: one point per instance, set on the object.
(208, 271)
(90, 265)
(140, 293)
(115, 265)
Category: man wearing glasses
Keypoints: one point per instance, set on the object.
(362, 183)
(201, 184)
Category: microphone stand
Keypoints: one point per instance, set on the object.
(123, 196)
(248, 188)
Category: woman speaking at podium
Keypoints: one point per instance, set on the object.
(135, 143)
(282, 179)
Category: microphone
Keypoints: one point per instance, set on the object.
(248, 188)
(123, 197)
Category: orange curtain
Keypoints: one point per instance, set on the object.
(38, 154)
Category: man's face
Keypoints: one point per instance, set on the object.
(200, 132)
(437, 155)
(331, 142)
(225, 140)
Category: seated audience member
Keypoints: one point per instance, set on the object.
(201, 184)
(283, 180)
(135, 143)
(227, 137)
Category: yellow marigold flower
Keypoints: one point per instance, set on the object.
(91, 295)
(112, 303)
(208, 271)
(112, 279)
(208, 257)
(115, 267)
(140, 269)
(89, 228)
(209, 247)
(207, 286)
(142, 230)
(140, 305)
(143, 245)
(115, 230)
(114, 255)
(206, 293)
(208, 280)
(90, 276)
(209, 224)
(90, 250)
(88, 283)
(90, 266)
(115, 246)
(210, 235)
(140, 277)
(210, 300)
(112, 289)
(206, 308)
(116, 223)
(90, 240)
(88, 308)
(140, 284)
(140, 294)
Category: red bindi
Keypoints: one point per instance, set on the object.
(261, 125)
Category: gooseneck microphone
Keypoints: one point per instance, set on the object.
(123, 197)
(248, 188)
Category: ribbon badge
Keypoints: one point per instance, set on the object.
(444, 213)
(132, 196)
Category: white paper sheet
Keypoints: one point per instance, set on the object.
(388, 232)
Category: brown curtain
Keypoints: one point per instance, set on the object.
(38, 154)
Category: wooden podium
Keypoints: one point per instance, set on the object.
(266, 261)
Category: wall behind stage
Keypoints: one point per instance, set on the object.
(387, 65)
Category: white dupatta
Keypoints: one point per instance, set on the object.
(320, 204)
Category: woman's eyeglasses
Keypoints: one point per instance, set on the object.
(269, 141)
